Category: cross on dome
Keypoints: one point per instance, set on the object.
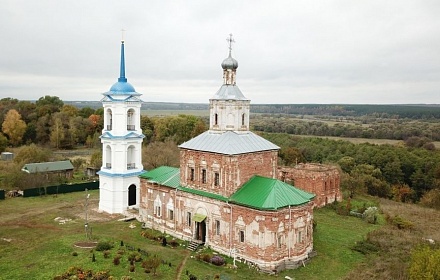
(230, 41)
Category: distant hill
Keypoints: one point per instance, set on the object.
(412, 111)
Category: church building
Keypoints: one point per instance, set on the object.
(225, 194)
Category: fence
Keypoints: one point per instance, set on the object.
(64, 188)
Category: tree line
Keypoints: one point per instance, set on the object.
(355, 128)
(395, 172)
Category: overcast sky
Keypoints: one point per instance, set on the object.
(364, 51)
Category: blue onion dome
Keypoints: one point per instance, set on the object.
(122, 87)
(229, 63)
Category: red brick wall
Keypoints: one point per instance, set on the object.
(263, 229)
(322, 180)
(233, 170)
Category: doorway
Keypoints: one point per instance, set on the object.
(201, 231)
(131, 195)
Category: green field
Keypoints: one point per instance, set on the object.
(34, 245)
(166, 113)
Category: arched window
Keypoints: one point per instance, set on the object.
(131, 157)
(215, 119)
(242, 119)
(131, 120)
(109, 119)
(108, 157)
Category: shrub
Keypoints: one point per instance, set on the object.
(135, 257)
(401, 223)
(424, 263)
(365, 247)
(370, 215)
(151, 264)
(217, 260)
(131, 269)
(174, 243)
(93, 258)
(117, 260)
(103, 246)
(206, 257)
(74, 254)
(192, 277)
(106, 254)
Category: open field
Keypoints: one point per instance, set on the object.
(166, 113)
(366, 140)
(33, 245)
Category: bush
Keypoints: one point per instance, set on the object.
(174, 243)
(151, 264)
(135, 257)
(131, 269)
(74, 254)
(424, 263)
(365, 247)
(106, 254)
(117, 260)
(401, 223)
(217, 260)
(370, 215)
(103, 246)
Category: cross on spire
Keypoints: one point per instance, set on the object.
(230, 41)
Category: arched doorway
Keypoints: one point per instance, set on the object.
(131, 195)
(201, 231)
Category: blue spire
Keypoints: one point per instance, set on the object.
(122, 70)
(122, 87)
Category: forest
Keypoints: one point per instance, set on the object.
(409, 172)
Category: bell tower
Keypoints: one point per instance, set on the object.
(229, 108)
(121, 138)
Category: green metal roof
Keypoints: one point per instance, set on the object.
(164, 175)
(170, 177)
(203, 193)
(259, 192)
(48, 166)
(269, 194)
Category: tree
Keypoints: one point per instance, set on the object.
(48, 105)
(57, 135)
(86, 112)
(69, 110)
(347, 164)
(3, 143)
(14, 127)
(32, 153)
(160, 153)
(96, 159)
(291, 155)
(147, 127)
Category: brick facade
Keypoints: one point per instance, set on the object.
(271, 240)
(224, 174)
(319, 179)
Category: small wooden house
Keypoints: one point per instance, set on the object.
(62, 168)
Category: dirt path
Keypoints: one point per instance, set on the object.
(182, 265)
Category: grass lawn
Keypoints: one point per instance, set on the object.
(35, 246)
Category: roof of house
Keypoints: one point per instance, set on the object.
(269, 194)
(229, 143)
(48, 166)
(259, 192)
